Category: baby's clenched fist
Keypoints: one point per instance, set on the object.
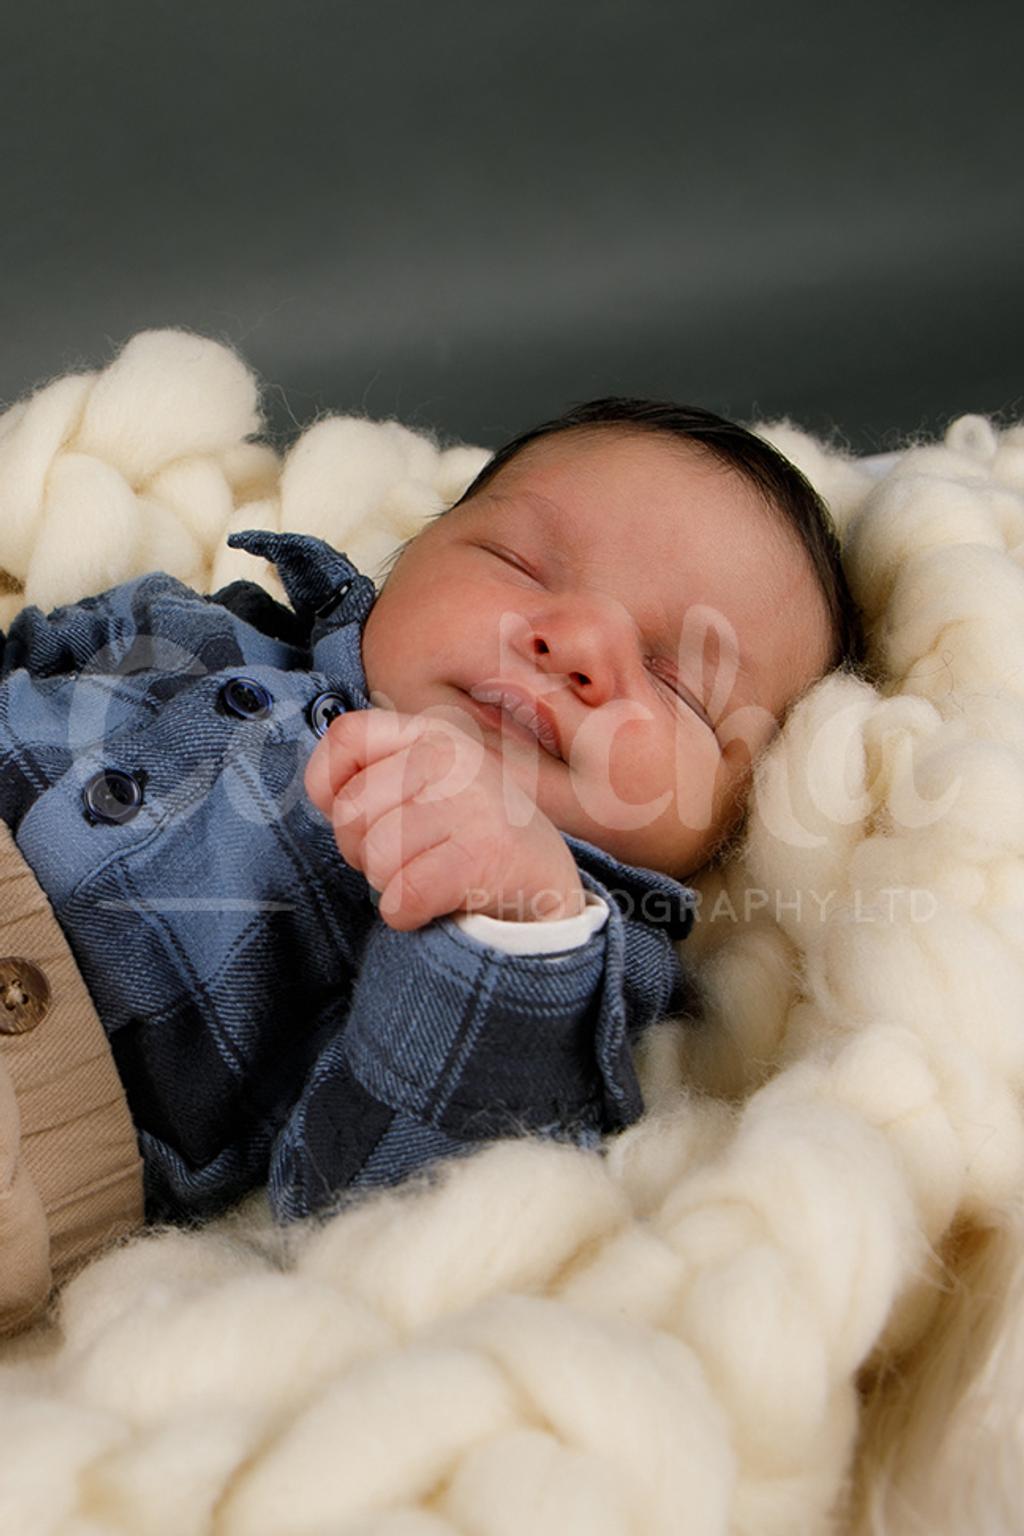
(435, 823)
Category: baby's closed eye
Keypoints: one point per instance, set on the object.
(680, 691)
(510, 559)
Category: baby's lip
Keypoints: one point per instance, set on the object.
(525, 707)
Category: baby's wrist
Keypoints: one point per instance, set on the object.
(567, 904)
(549, 904)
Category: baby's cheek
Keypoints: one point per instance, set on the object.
(627, 788)
(700, 778)
(637, 756)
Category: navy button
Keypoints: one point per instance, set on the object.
(112, 796)
(325, 708)
(247, 699)
(333, 601)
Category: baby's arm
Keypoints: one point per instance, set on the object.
(451, 1042)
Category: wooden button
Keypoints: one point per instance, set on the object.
(24, 995)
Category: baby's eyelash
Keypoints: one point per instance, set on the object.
(512, 560)
(683, 693)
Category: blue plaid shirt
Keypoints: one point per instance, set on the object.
(267, 1025)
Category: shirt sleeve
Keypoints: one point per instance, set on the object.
(64, 640)
(451, 1041)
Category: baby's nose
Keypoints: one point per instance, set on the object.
(588, 641)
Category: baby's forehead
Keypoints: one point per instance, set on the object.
(663, 535)
(616, 463)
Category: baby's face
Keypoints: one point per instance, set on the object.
(638, 596)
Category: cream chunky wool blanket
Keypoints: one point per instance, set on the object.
(789, 1299)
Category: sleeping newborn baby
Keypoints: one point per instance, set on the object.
(314, 895)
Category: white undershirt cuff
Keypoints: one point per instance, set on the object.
(536, 938)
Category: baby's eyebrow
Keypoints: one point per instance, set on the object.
(537, 500)
(551, 518)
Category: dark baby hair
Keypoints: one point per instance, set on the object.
(781, 485)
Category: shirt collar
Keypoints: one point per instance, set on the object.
(329, 594)
(322, 584)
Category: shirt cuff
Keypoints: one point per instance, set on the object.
(536, 938)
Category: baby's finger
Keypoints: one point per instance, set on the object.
(370, 795)
(426, 764)
(352, 740)
(431, 884)
(395, 839)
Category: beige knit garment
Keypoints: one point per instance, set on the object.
(70, 1171)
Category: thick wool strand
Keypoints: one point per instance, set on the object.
(166, 395)
(936, 590)
(32, 434)
(945, 1440)
(810, 1177)
(547, 1488)
(91, 510)
(628, 1395)
(255, 1339)
(388, 1431)
(83, 504)
(506, 1219)
(189, 1459)
(49, 1447)
(901, 521)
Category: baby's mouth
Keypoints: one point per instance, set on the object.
(514, 716)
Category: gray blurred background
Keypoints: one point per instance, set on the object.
(469, 215)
